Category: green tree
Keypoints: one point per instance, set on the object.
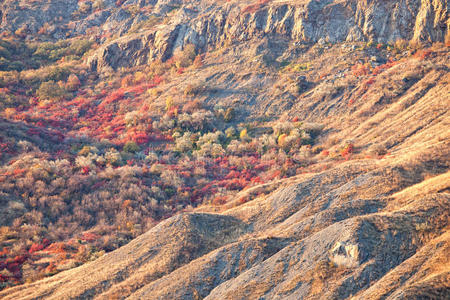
(50, 90)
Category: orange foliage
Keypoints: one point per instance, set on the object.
(377, 70)
(347, 150)
(126, 204)
(219, 200)
(360, 70)
(198, 61)
(423, 54)
(56, 248)
(127, 81)
(242, 200)
(89, 237)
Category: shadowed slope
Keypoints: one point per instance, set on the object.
(159, 251)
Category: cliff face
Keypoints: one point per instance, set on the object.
(31, 16)
(300, 22)
(211, 25)
(432, 20)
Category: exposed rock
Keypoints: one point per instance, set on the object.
(432, 21)
(94, 19)
(309, 21)
(345, 255)
(16, 13)
(314, 21)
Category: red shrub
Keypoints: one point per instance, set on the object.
(89, 237)
(370, 81)
(140, 138)
(423, 54)
(252, 8)
(220, 200)
(18, 172)
(126, 204)
(360, 70)
(114, 96)
(56, 248)
(275, 174)
(348, 149)
(13, 267)
(45, 242)
(185, 174)
(198, 61)
(157, 79)
(50, 268)
(20, 259)
(232, 174)
(242, 200)
(325, 153)
(35, 247)
(4, 278)
(85, 170)
(256, 180)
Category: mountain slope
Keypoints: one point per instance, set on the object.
(343, 250)
(225, 149)
(351, 230)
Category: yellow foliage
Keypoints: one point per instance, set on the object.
(130, 226)
(139, 77)
(281, 139)
(9, 112)
(243, 133)
(126, 81)
(169, 103)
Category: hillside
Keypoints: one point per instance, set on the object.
(224, 149)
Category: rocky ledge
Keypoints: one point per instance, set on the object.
(299, 21)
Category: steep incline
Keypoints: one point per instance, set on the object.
(367, 228)
(298, 21)
(351, 243)
(366, 216)
(155, 29)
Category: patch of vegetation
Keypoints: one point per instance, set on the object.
(69, 50)
(295, 67)
(151, 22)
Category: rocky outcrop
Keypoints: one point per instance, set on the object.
(432, 22)
(63, 19)
(301, 22)
(309, 22)
(32, 15)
